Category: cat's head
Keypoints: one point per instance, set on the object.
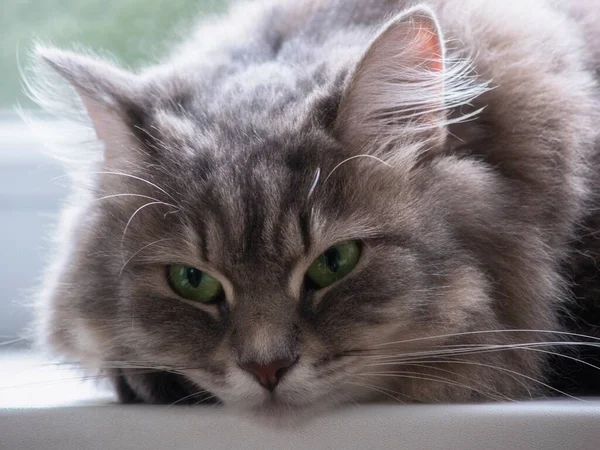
(274, 235)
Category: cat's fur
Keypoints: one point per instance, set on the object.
(289, 127)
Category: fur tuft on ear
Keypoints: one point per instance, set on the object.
(92, 77)
(109, 95)
(405, 85)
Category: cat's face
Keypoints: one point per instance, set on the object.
(255, 220)
(282, 242)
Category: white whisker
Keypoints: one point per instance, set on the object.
(479, 349)
(205, 399)
(126, 195)
(473, 363)
(470, 333)
(428, 377)
(194, 394)
(541, 383)
(381, 390)
(139, 179)
(314, 183)
(471, 380)
(14, 341)
(140, 250)
(355, 157)
(136, 212)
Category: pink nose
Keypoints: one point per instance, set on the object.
(268, 375)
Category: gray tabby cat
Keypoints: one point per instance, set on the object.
(314, 202)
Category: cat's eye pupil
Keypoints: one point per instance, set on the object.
(194, 277)
(333, 265)
(193, 284)
(332, 259)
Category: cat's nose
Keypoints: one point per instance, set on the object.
(268, 375)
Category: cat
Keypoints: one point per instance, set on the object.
(313, 203)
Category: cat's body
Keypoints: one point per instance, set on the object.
(291, 127)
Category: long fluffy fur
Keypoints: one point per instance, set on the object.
(468, 187)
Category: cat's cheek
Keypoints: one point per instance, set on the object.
(301, 387)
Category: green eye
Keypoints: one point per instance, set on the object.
(194, 284)
(334, 264)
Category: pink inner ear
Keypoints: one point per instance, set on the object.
(428, 44)
(109, 127)
(398, 87)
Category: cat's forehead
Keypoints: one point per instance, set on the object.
(252, 132)
(256, 167)
(233, 104)
(266, 201)
(255, 206)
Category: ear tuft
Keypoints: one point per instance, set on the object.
(107, 93)
(85, 73)
(404, 85)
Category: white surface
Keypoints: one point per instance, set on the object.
(530, 426)
(46, 406)
(29, 381)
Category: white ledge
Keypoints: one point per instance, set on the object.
(71, 423)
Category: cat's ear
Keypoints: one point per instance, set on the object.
(398, 86)
(111, 96)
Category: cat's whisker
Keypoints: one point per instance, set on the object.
(74, 379)
(176, 371)
(193, 394)
(171, 212)
(141, 250)
(133, 365)
(400, 361)
(15, 341)
(345, 398)
(549, 352)
(314, 183)
(107, 365)
(471, 380)
(470, 350)
(61, 381)
(125, 361)
(513, 372)
(479, 364)
(136, 178)
(136, 212)
(427, 364)
(387, 392)
(377, 355)
(355, 157)
(427, 377)
(106, 197)
(449, 351)
(480, 332)
(335, 398)
(199, 402)
(210, 397)
(572, 358)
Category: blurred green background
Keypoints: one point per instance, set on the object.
(132, 30)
